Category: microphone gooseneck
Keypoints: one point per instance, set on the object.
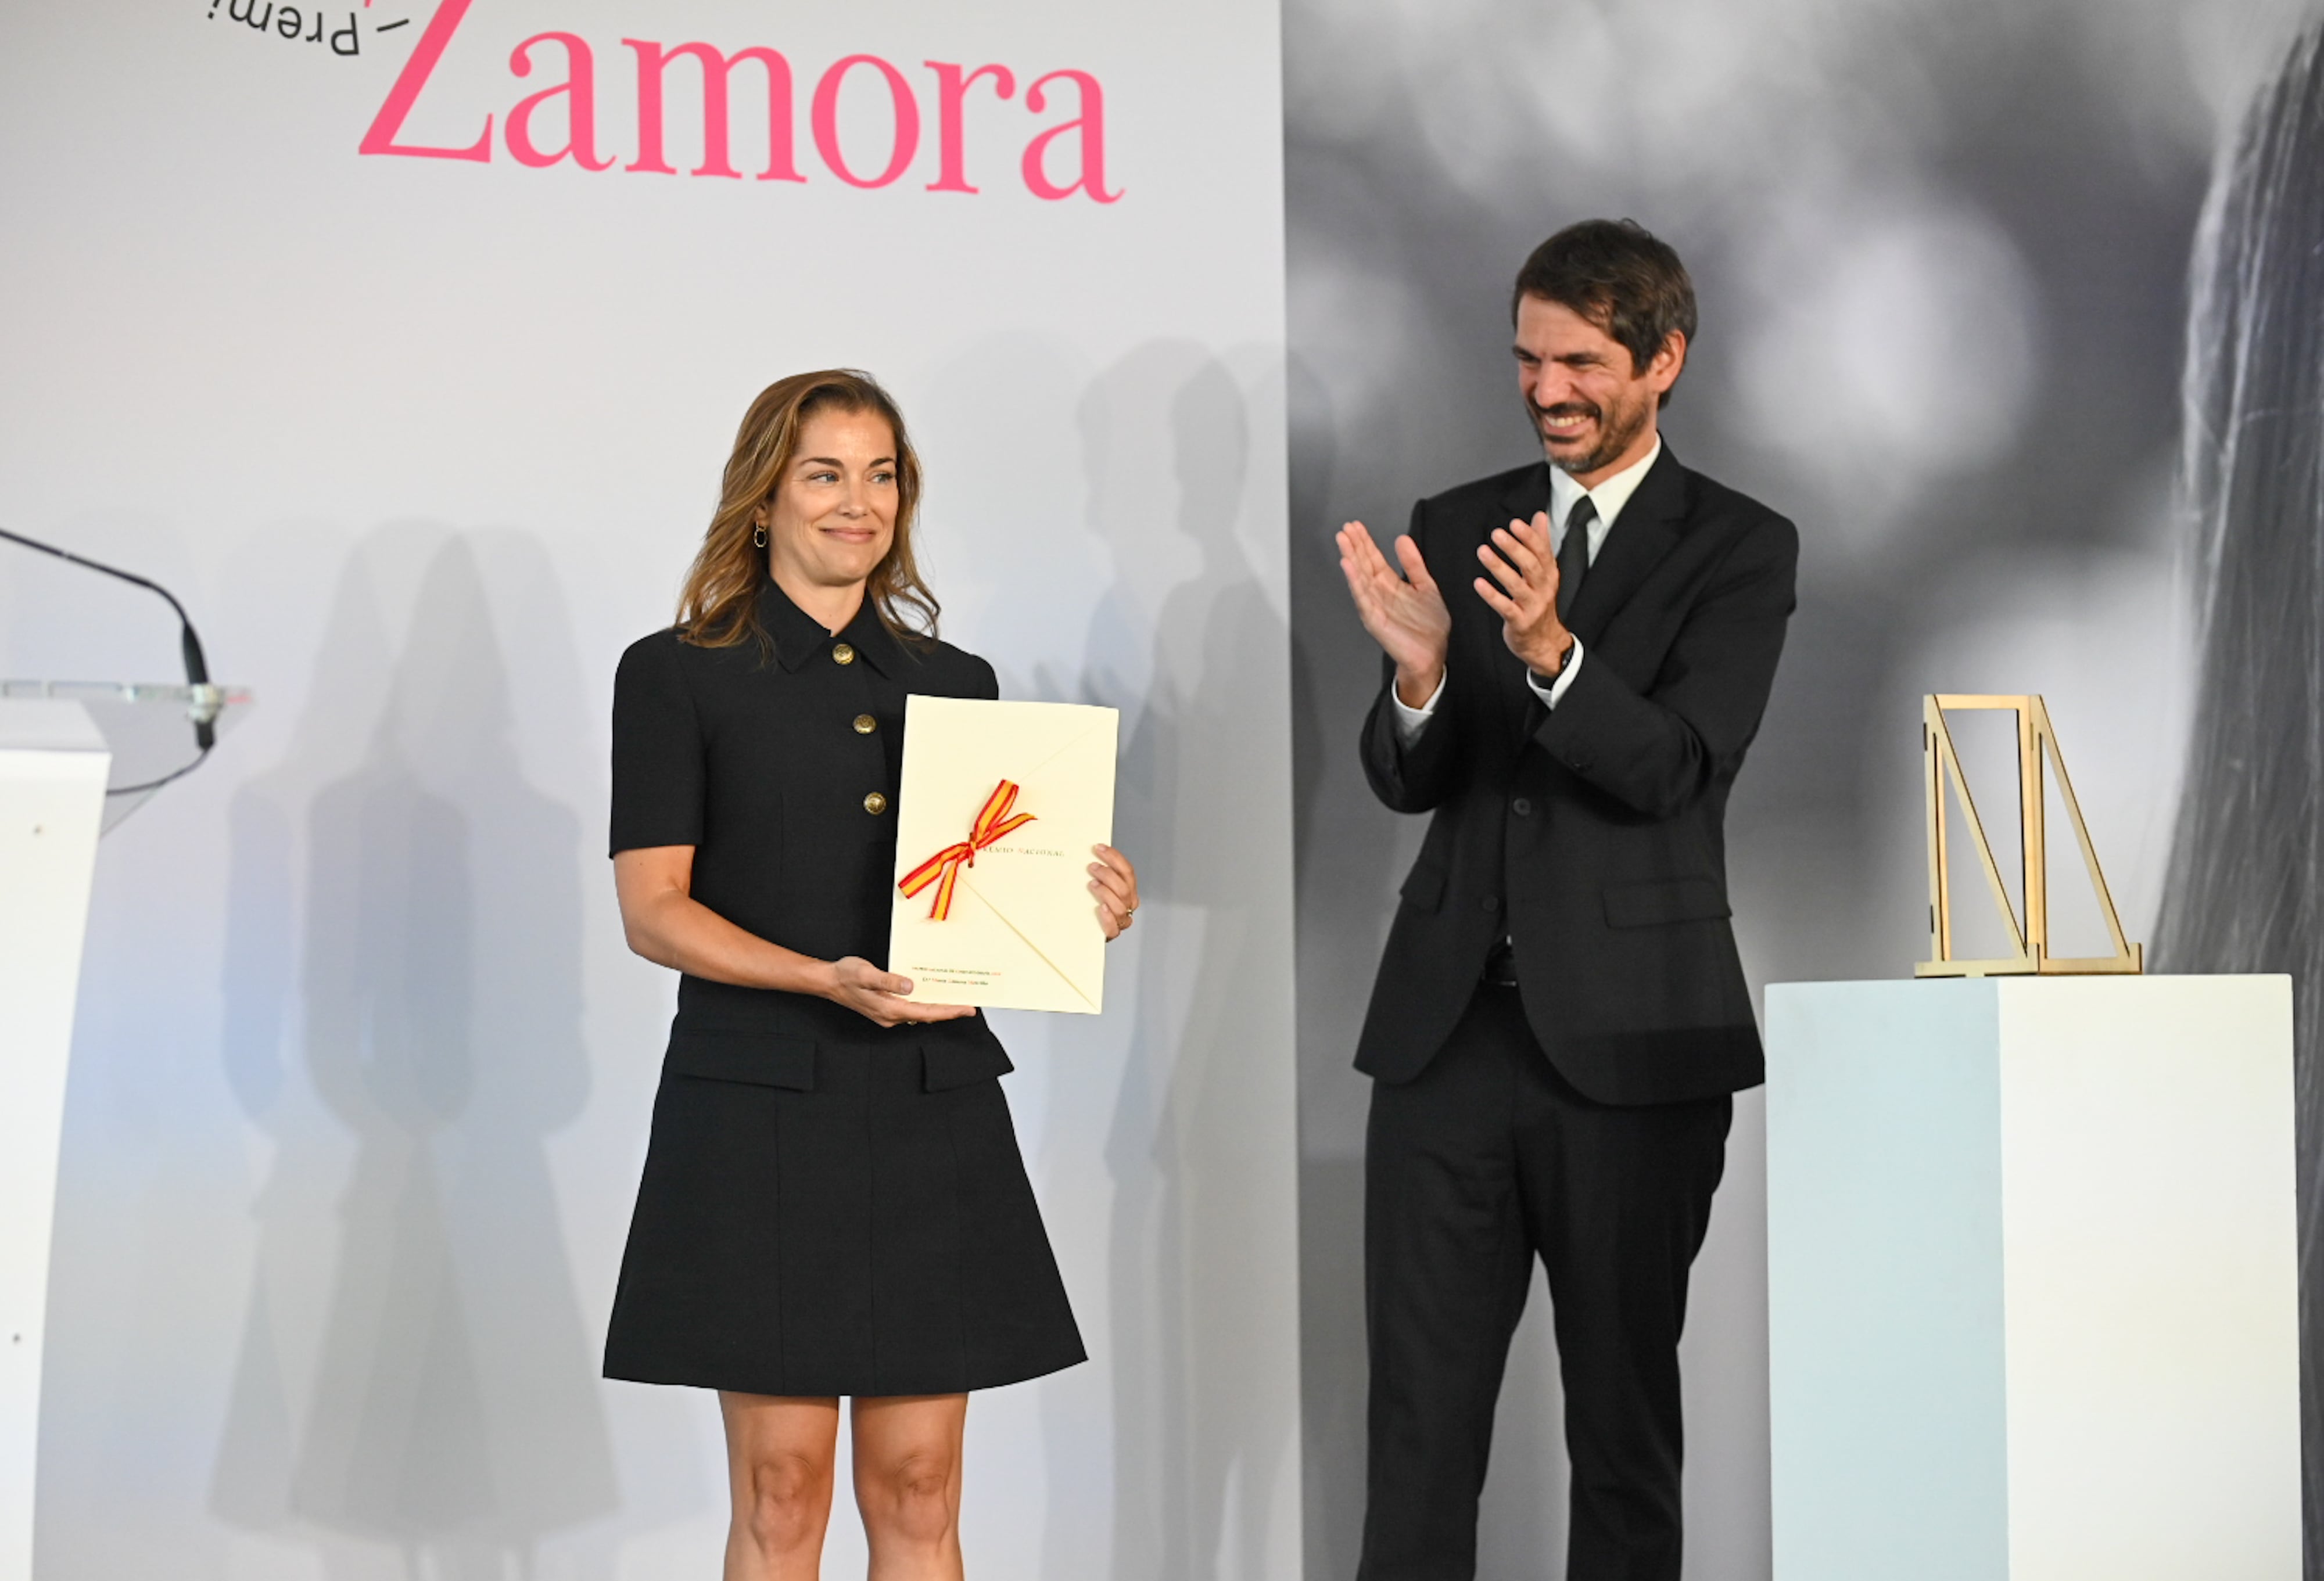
(206, 699)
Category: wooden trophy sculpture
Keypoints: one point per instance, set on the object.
(2037, 742)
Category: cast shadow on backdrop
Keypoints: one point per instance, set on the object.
(1187, 1276)
(1184, 641)
(415, 1391)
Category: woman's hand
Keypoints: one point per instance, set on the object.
(872, 993)
(1114, 882)
(666, 925)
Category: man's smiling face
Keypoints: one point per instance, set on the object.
(1593, 407)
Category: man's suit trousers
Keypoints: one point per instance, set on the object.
(1484, 1162)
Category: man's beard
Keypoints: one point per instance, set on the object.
(1613, 438)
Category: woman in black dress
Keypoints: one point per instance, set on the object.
(832, 1202)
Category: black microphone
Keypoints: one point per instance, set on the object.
(207, 700)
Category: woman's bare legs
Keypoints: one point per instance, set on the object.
(779, 1469)
(908, 1483)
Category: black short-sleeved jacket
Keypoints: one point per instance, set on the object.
(780, 768)
(827, 1206)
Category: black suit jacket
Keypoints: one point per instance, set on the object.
(1591, 836)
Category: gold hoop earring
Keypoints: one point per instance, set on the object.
(759, 537)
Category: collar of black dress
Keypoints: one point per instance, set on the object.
(799, 637)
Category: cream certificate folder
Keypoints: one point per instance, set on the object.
(999, 804)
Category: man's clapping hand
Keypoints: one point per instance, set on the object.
(1406, 614)
(1521, 561)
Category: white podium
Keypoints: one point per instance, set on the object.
(59, 742)
(52, 770)
(2032, 1287)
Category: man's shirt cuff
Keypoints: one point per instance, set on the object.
(1411, 722)
(1556, 689)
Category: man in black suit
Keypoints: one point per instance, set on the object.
(1578, 654)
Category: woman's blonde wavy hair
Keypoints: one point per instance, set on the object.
(719, 605)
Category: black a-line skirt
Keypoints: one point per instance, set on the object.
(836, 1215)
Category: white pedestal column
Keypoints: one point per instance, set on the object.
(52, 770)
(2032, 1280)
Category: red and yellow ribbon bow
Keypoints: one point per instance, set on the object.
(991, 824)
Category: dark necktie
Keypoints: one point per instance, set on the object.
(1574, 554)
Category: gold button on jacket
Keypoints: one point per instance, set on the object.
(758, 766)
(843, 653)
(875, 804)
(865, 724)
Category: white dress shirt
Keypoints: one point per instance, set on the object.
(1610, 496)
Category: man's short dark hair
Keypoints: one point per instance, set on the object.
(1619, 276)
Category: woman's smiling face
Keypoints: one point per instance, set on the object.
(834, 514)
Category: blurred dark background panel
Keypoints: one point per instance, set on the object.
(2243, 890)
(1942, 251)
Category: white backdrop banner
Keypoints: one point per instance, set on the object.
(406, 341)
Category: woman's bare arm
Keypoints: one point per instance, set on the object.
(666, 925)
